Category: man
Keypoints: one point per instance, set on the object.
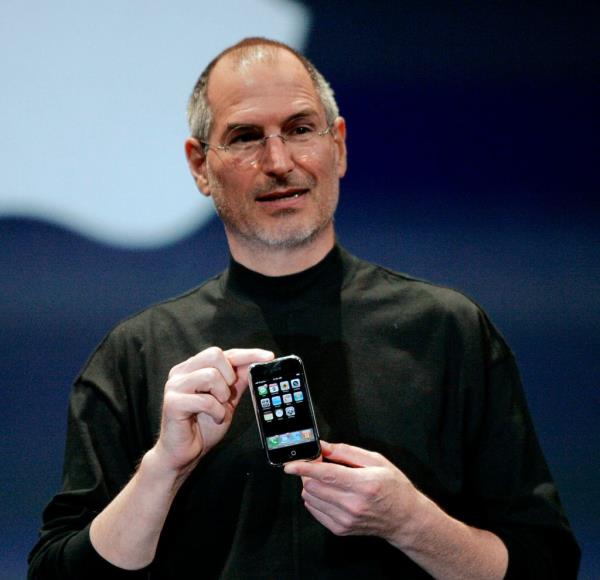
(436, 470)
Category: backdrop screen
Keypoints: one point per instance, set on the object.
(472, 137)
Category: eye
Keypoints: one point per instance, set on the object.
(300, 131)
(243, 137)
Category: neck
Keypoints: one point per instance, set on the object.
(281, 261)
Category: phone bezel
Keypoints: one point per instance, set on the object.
(303, 446)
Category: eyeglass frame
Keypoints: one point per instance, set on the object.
(263, 140)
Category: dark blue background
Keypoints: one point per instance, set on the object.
(473, 162)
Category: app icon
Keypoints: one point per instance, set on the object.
(266, 403)
(287, 398)
(276, 401)
(307, 435)
(273, 442)
(268, 416)
(296, 437)
(284, 385)
(263, 390)
(284, 438)
(273, 388)
(298, 396)
(290, 411)
(279, 413)
(295, 383)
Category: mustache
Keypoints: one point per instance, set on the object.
(275, 184)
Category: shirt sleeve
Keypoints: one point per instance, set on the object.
(105, 441)
(508, 481)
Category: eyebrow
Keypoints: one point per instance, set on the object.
(303, 114)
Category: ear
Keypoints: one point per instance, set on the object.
(196, 158)
(339, 135)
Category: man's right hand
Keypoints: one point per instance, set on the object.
(201, 395)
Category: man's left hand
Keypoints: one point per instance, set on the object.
(359, 492)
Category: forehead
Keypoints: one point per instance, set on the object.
(260, 90)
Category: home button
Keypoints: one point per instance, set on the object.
(292, 454)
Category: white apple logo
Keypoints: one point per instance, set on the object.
(92, 108)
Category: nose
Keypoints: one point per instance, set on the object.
(276, 157)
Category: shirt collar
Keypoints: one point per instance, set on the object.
(313, 284)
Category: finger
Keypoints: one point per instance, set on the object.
(241, 358)
(317, 460)
(206, 380)
(181, 406)
(326, 520)
(340, 476)
(351, 456)
(245, 356)
(334, 507)
(315, 489)
(321, 495)
(209, 357)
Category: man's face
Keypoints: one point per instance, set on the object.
(285, 199)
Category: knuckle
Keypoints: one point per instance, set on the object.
(213, 354)
(219, 412)
(212, 381)
(380, 458)
(343, 448)
(208, 405)
(173, 383)
(371, 489)
(204, 378)
(216, 405)
(176, 370)
(353, 512)
(169, 401)
(309, 485)
(345, 523)
(211, 375)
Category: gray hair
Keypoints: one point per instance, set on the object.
(198, 111)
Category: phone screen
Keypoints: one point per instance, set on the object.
(284, 411)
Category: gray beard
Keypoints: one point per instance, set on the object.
(261, 239)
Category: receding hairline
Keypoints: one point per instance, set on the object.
(250, 51)
(255, 51)
(246, 55)
(256, 48)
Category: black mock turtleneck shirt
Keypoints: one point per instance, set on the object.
(396, 365)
